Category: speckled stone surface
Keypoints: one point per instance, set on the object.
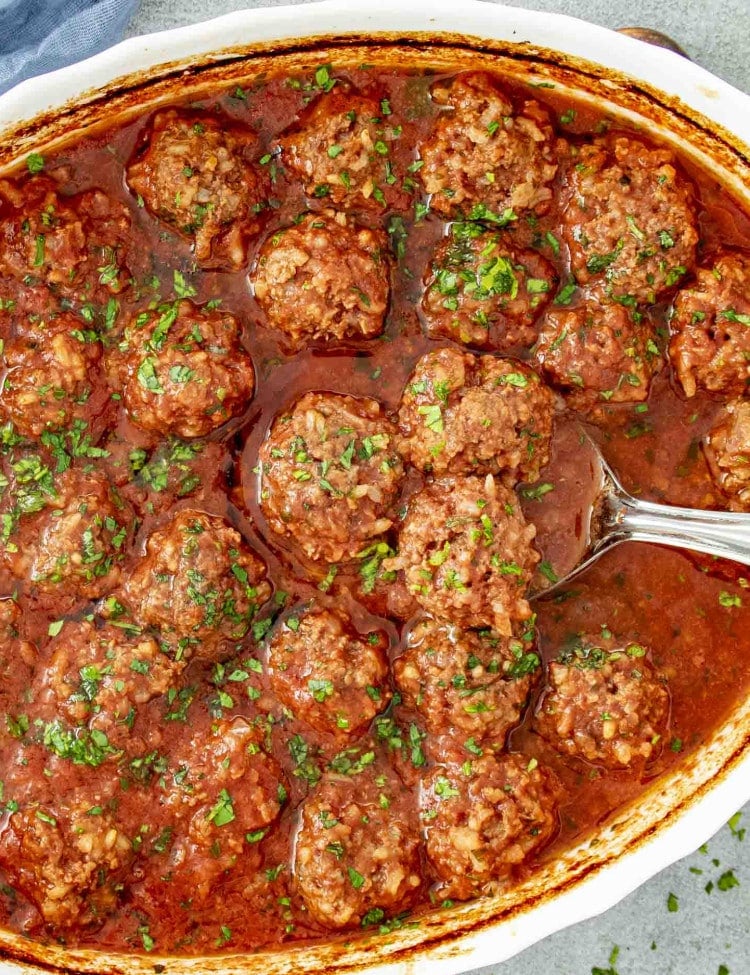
(706, 930)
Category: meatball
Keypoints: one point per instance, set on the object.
(606, 706)
(221, 795)
(68, 862)
(324, 278)
(467, 683)
(710, 344)
(466, 414)
(340, 149)
(327, 674)
(484, 292)
(629, 221)
(183, 370)
(484, 157)
(50, 370)
(728, 453)
(330, 475)
(77, 245)
(198, 582)
(466, 552)
(198, 174)
(598, 353)
(100, 677)
(484, 816)
(76, 538)
(357, 849)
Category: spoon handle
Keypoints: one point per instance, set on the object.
(721, 533)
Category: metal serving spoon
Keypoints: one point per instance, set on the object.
(616, 516)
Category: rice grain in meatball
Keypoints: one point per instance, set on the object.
(465, 414)
(330, 475)
(629, 222)
(199, 583)
(340, 150)
(728, 452)
(327, 674)
(485, 816)
(183, 370)
(50, 373)
(483, 156)
(604, 704)
(357, 849)
(199, 174)
(710, 326)
(596, 353)
(324, 278)
(466, 553)
(483, 291)
(468, 683)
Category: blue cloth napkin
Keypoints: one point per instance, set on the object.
(41, 35)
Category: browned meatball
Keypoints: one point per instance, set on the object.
(466, 552)
(607, 706)
(710, 345)
(183, 370)
(324, 278)
(330, 475)
(357, 849)
(597, 353)
(101, 677)
(221, 796)
(327, 674)
(76, 536)
(198, 173)
(467, 683)
(76, 245)
(483, 155)
(69, 863)
(468, 414)
(340, 149)
(483, 291)
(629, 222)
(484, 816)
(50, 372)
(728, 453)
(198, 582)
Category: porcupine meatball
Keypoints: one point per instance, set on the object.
(597, 353)
(357, 850)
(483, 155)
(69, 863)
(199, 583)
(199, 174)
(331, 475)
(728, 452)
(76, 536)
(327, 674)
(340, 149)
(604, 705)
(466, 553)
(467, 414)
(484, 816)
(710, 326)
(51, 370)
(484, 292)
(221, 795)
(183, 371)
(324, 278)
(629, 220)
(101, 677)
(77, 245)
(467, 683)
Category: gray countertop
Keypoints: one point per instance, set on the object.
(705, 929)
